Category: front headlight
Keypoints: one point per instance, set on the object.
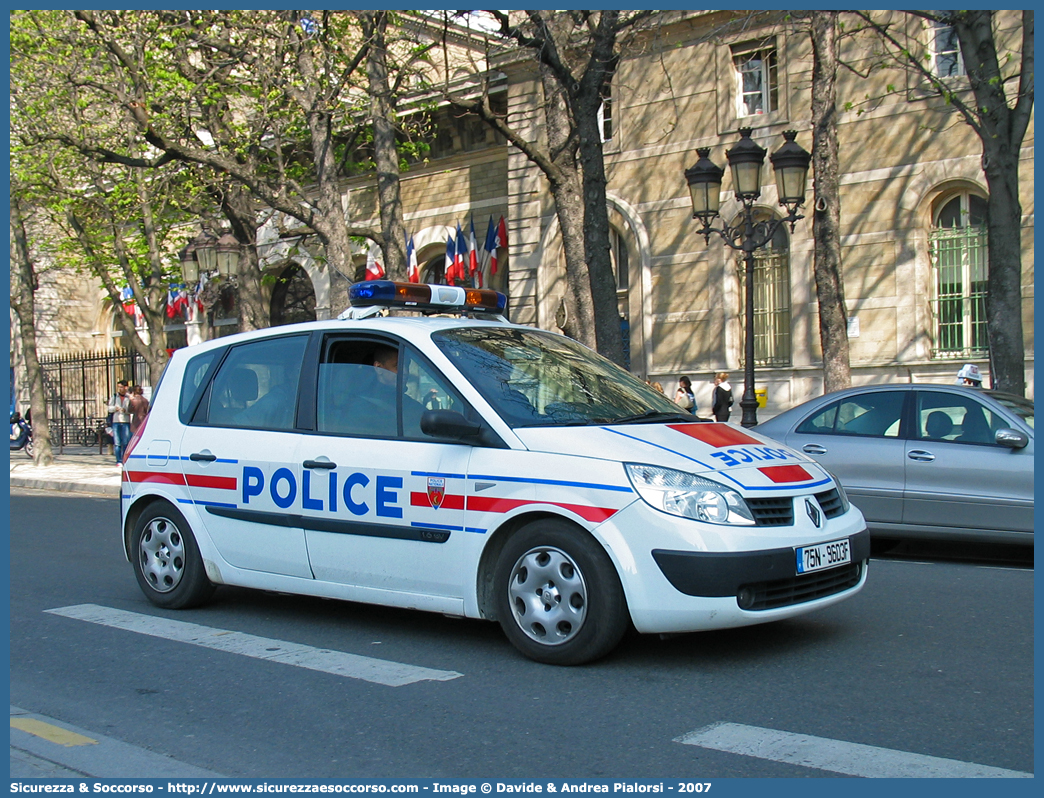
(688, 496)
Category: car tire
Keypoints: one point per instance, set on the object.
(166, 559)
(559, 598)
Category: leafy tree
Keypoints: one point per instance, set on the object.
(576, 53)
(999, 110)
(23, 287)
(283, 101)
(826, 228)
(115, 222)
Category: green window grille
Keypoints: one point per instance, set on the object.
(772, 340)
(959, 307)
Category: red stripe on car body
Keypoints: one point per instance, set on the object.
(716, 435)
(786, 473)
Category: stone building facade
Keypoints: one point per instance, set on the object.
(912, 195)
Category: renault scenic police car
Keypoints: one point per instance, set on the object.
(470, 466)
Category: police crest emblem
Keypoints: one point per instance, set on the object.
(436, 491)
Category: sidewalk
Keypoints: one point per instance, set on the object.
(77, 469)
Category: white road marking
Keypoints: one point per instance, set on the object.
(353, 666)
(837, 756)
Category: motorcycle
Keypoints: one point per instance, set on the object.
(21, 434)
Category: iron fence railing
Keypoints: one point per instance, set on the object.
(78, 388)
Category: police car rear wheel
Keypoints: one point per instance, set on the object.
(166, 559)
(559, 597)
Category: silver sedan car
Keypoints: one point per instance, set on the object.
(924, 461)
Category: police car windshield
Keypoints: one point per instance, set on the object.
(533, 378)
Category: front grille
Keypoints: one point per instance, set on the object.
(778, 511)
(830, 501)
(798, 589)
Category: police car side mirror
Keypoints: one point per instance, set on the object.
(1011, 438)
(449, 424)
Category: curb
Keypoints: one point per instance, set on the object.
(65, 487)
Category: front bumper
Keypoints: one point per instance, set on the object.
(768, 574)
(683, 576)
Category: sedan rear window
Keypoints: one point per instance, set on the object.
(875, 414)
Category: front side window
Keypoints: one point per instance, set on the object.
(256, 386)
(757, 77)
(371, 388)
(951, 417)
(875, 415)
(532, 378)
(958, 244)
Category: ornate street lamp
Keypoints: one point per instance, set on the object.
(228, 255)
(189, 265)
(205, 246)
(790, 163)
(209, 254)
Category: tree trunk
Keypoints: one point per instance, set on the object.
(1004, 284)
(580, 312)
(238, 207)
(602, 283)
(386, 154)
(586, 102)
(1002, 131)
(826, 227)
(22, 301)
(566, 188)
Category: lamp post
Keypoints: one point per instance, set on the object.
(206, 254)
(790, 164)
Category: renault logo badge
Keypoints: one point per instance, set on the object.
(813, 512)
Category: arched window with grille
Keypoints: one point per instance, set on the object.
(958, 247)
(772, 338)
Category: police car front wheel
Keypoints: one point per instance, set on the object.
(166, 559)
(559, 596)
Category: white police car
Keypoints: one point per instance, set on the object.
(473, 467)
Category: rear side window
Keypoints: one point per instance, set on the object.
(195, 380)
(256, 385)
(875, 415)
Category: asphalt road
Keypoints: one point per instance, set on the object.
(932, 658)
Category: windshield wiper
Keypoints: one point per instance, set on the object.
(655, 415)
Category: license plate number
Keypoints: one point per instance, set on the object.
(823, 556)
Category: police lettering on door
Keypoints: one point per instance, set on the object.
(352, 492)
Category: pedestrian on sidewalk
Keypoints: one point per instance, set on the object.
(139, 408)
(683, 396)
(119, 406)
(722, 405)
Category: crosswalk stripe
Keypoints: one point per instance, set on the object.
(353, 666)
(837, 756)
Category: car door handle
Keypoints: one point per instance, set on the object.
(319, 464)
(813, 448)
(920, 455)
(202, 457)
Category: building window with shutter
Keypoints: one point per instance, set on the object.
(757, 76)
(946, 59)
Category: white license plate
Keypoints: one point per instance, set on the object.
(823, 556)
